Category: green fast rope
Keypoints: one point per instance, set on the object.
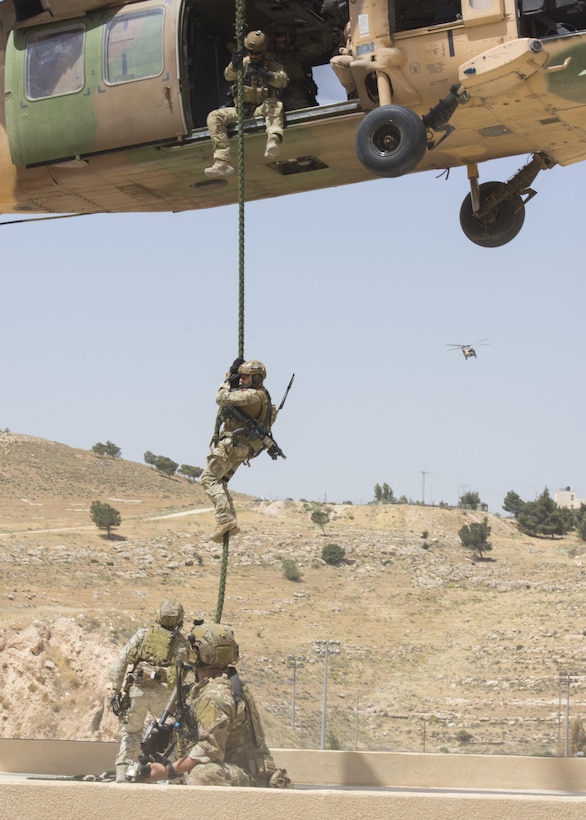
(239, 26)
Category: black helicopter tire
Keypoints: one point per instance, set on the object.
(504, 224)
(391, 141)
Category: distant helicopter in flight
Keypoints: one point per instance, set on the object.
(468, 351)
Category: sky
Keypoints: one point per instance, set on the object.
(121, 327)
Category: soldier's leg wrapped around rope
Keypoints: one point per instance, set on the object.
(222, 463)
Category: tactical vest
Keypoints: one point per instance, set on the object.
(253, 94)
(157, 646)
(264, 413)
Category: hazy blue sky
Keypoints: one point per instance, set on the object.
(121, 327)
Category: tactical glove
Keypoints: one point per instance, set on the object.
(237, 59)
(261, 72)
(115, 703)
(144, 772)
(236, 364)
(234, 376)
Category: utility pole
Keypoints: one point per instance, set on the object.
(423, 474)
(567, 678)
(325, 648)
(294, 663)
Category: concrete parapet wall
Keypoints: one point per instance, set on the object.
(310, 767)
(50, 800)
(443, 775)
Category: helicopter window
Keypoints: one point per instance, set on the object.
(134, 46)
(54, 63)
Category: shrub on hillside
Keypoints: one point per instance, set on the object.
(333, 554)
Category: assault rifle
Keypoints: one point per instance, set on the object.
(160, 736)
(254, 430)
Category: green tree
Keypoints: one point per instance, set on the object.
(107, 449)
(291, 570)
(384, 494)
(513, 503)
(104, 516)
(580, 519)
(320, 517)
(333, 554)
(470, 501)
(190, 472)
(475, 537)
(544, 517)
(166, 465)
(150, 458)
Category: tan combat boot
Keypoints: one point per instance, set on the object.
(273, 146)
(218, 534)
(220, 168)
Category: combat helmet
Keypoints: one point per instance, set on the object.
(214, 645)
(256, 370)
(170, 614)
(256, 42)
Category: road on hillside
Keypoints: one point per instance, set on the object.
(28, 531)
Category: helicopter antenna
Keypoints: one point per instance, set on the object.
(42, 218)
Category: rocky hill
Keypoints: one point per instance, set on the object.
(437, 651)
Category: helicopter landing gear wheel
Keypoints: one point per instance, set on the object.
(391, 141)
(500, 226)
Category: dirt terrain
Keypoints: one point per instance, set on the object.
(438, 652)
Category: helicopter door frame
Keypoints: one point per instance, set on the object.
(93, 84)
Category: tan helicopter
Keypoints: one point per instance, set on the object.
(468, 351)
(104, 104)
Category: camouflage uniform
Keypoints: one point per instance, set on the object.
(231, 748)
(260, 100)
(229, 453)
(153, 675)
(341, 62)
(301, 89)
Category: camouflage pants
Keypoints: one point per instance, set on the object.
(341, 67)
(219, 774)
(221, 119)
(221, 465)
(144, 700)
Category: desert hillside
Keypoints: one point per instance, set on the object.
(437, 652)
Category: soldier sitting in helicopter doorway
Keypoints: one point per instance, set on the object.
(262, 80)
(297, 60)
(341, 64)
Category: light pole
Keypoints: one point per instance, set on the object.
(567, 678)
(294, 664)
(326, 648)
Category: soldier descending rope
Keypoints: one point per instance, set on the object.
(246, 416)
